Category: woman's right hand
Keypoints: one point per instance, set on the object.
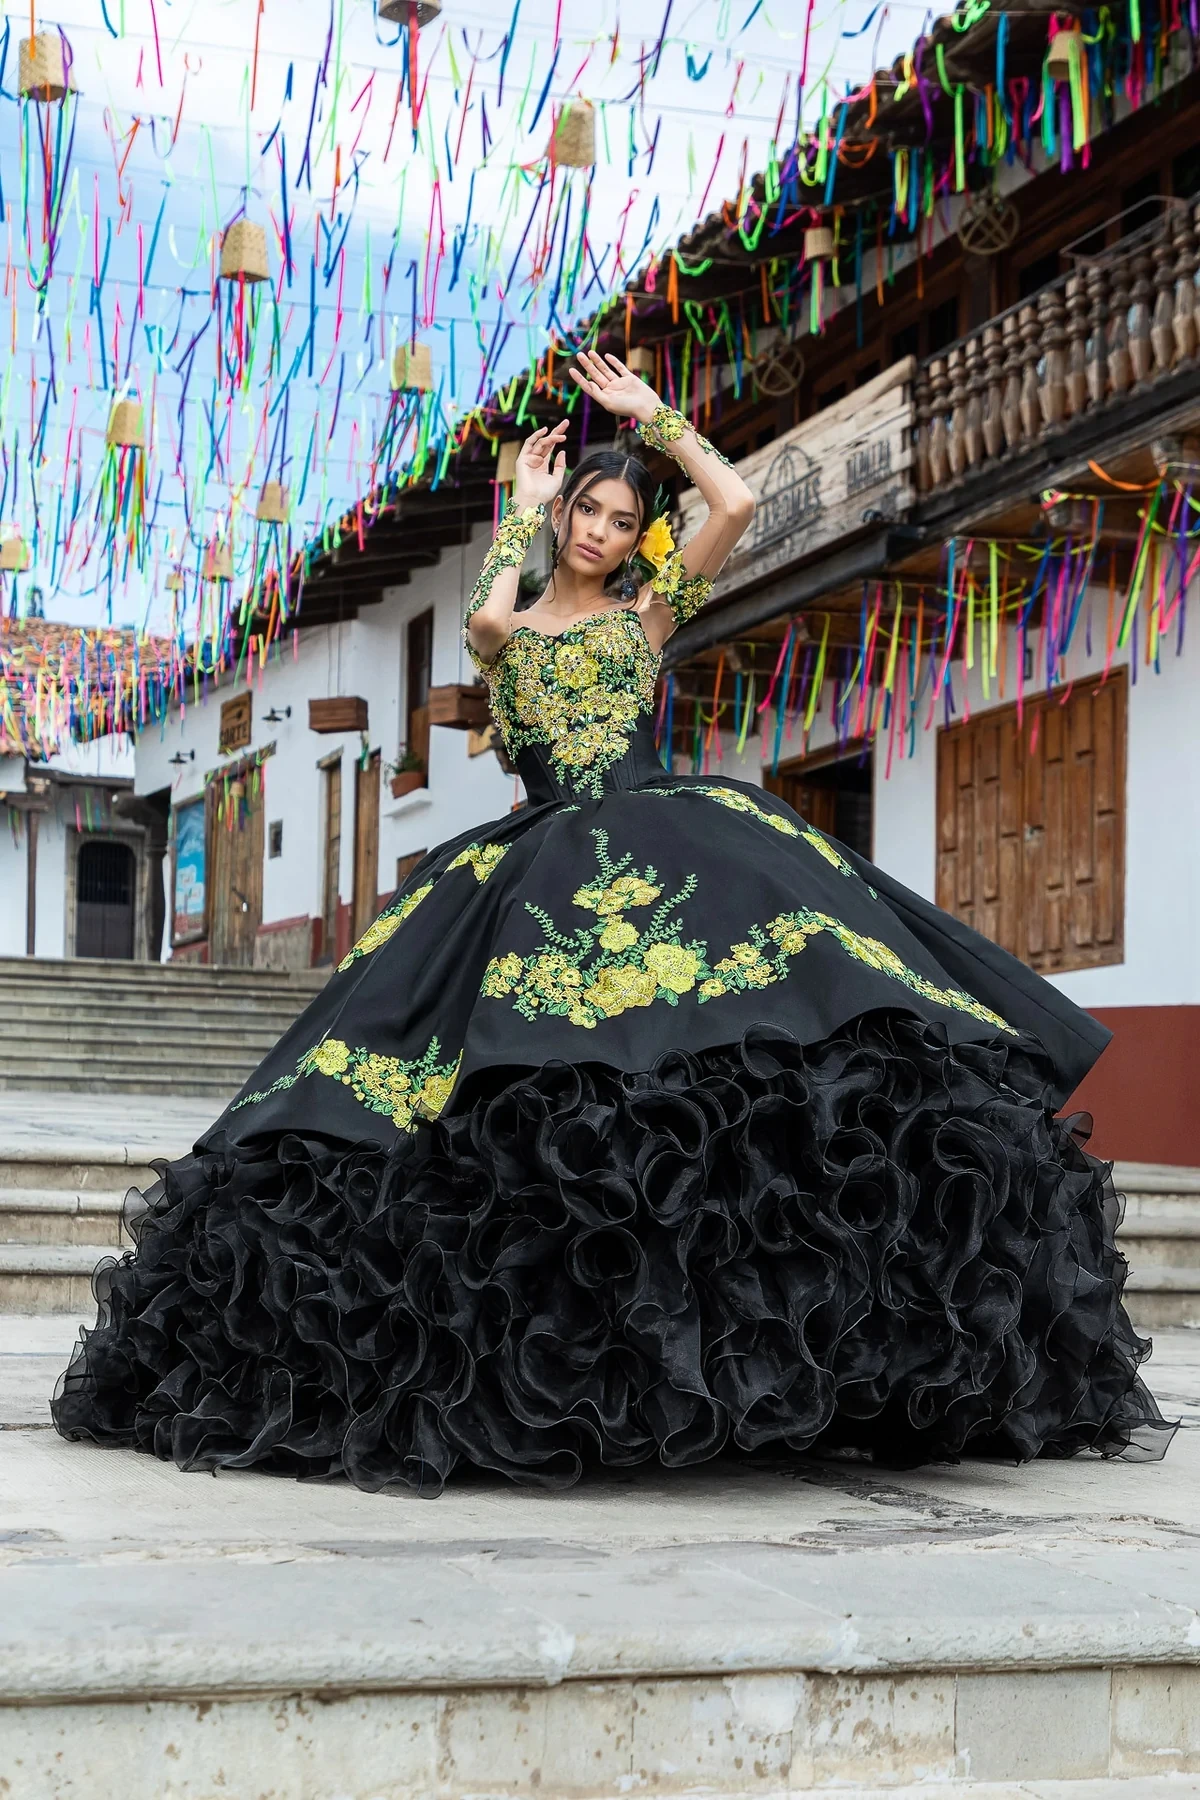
(541, 465)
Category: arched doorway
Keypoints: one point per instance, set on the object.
(105, 889)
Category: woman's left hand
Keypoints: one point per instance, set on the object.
(614, 387)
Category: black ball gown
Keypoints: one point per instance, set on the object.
(645, 1124)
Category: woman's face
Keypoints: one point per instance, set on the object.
(603, 526)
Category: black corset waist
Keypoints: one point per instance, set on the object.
(640, 764)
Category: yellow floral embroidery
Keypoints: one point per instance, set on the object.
(675, 967)
(627, 890)
(736, 801)
(684, 595)
(405, 1091)
(330, 1057)
(483, 858)
(599, 971)
(824, 848)
(580, 693)
(388, 921)
(619, 934)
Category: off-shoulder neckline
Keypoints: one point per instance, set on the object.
(608, 612)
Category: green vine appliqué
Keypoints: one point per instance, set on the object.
(507, 550)
(599, 971)
(736, 801)
(482, 859)
(406, 1091)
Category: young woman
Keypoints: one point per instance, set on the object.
(644, 1124)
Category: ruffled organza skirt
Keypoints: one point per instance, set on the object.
(881, 1240)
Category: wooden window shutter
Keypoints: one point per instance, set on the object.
(1031, 826)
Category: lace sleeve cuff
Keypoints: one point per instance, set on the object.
(507, 550)
(666, 426)
(684, 595)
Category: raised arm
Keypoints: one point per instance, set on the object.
(540, 469)
(685, 580)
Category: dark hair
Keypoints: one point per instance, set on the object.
(609, 465)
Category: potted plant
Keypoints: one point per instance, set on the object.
(406, 775)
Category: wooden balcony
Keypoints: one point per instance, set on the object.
(1113, 331)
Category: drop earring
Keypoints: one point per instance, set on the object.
(629, 586)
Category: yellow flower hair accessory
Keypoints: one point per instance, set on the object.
(657, 543)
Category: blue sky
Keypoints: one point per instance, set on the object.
(180, 123)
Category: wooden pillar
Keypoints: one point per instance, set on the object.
(31, 834)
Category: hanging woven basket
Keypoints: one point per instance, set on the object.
(412, 368)
(14, 556)
(218, 561)
(396, 12)
(273, 508)
(126, 426)
(573, 145)
(818, 244)
(244, 252)
(640, 361)
(174, 583)
(44, 67)
(506, 460)
(1063, 51)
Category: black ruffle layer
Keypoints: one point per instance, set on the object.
(881, 1240)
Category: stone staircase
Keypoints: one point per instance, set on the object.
(1160, 1237)
(88, 1026)
(59, 1216)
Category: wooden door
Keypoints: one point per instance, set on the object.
(366, 841)
(331, 854)
(105, 889)
(235, 861)
(1031, 826)
(833, 791)
(816, 804)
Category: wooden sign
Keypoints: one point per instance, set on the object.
(236, 723)
(845, 469)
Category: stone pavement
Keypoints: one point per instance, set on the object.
(722, 1631)
(77, 1124)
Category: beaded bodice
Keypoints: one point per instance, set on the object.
(580, 694)
(577, 696)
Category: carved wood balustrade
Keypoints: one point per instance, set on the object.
(1114, 324)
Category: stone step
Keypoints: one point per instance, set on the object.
(173, 1009)
(329, 1666)
(132, 1058)
(84, 1039)
(99, 1168)
(1156, 1178)
(48, 1278)
(1148, 1254)
(78, 970)
(149, 1081)
(61, 1216)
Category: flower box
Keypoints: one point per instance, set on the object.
(343, 712)
(462, 705)
(407, 782)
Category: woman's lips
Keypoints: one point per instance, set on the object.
(586, 550)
